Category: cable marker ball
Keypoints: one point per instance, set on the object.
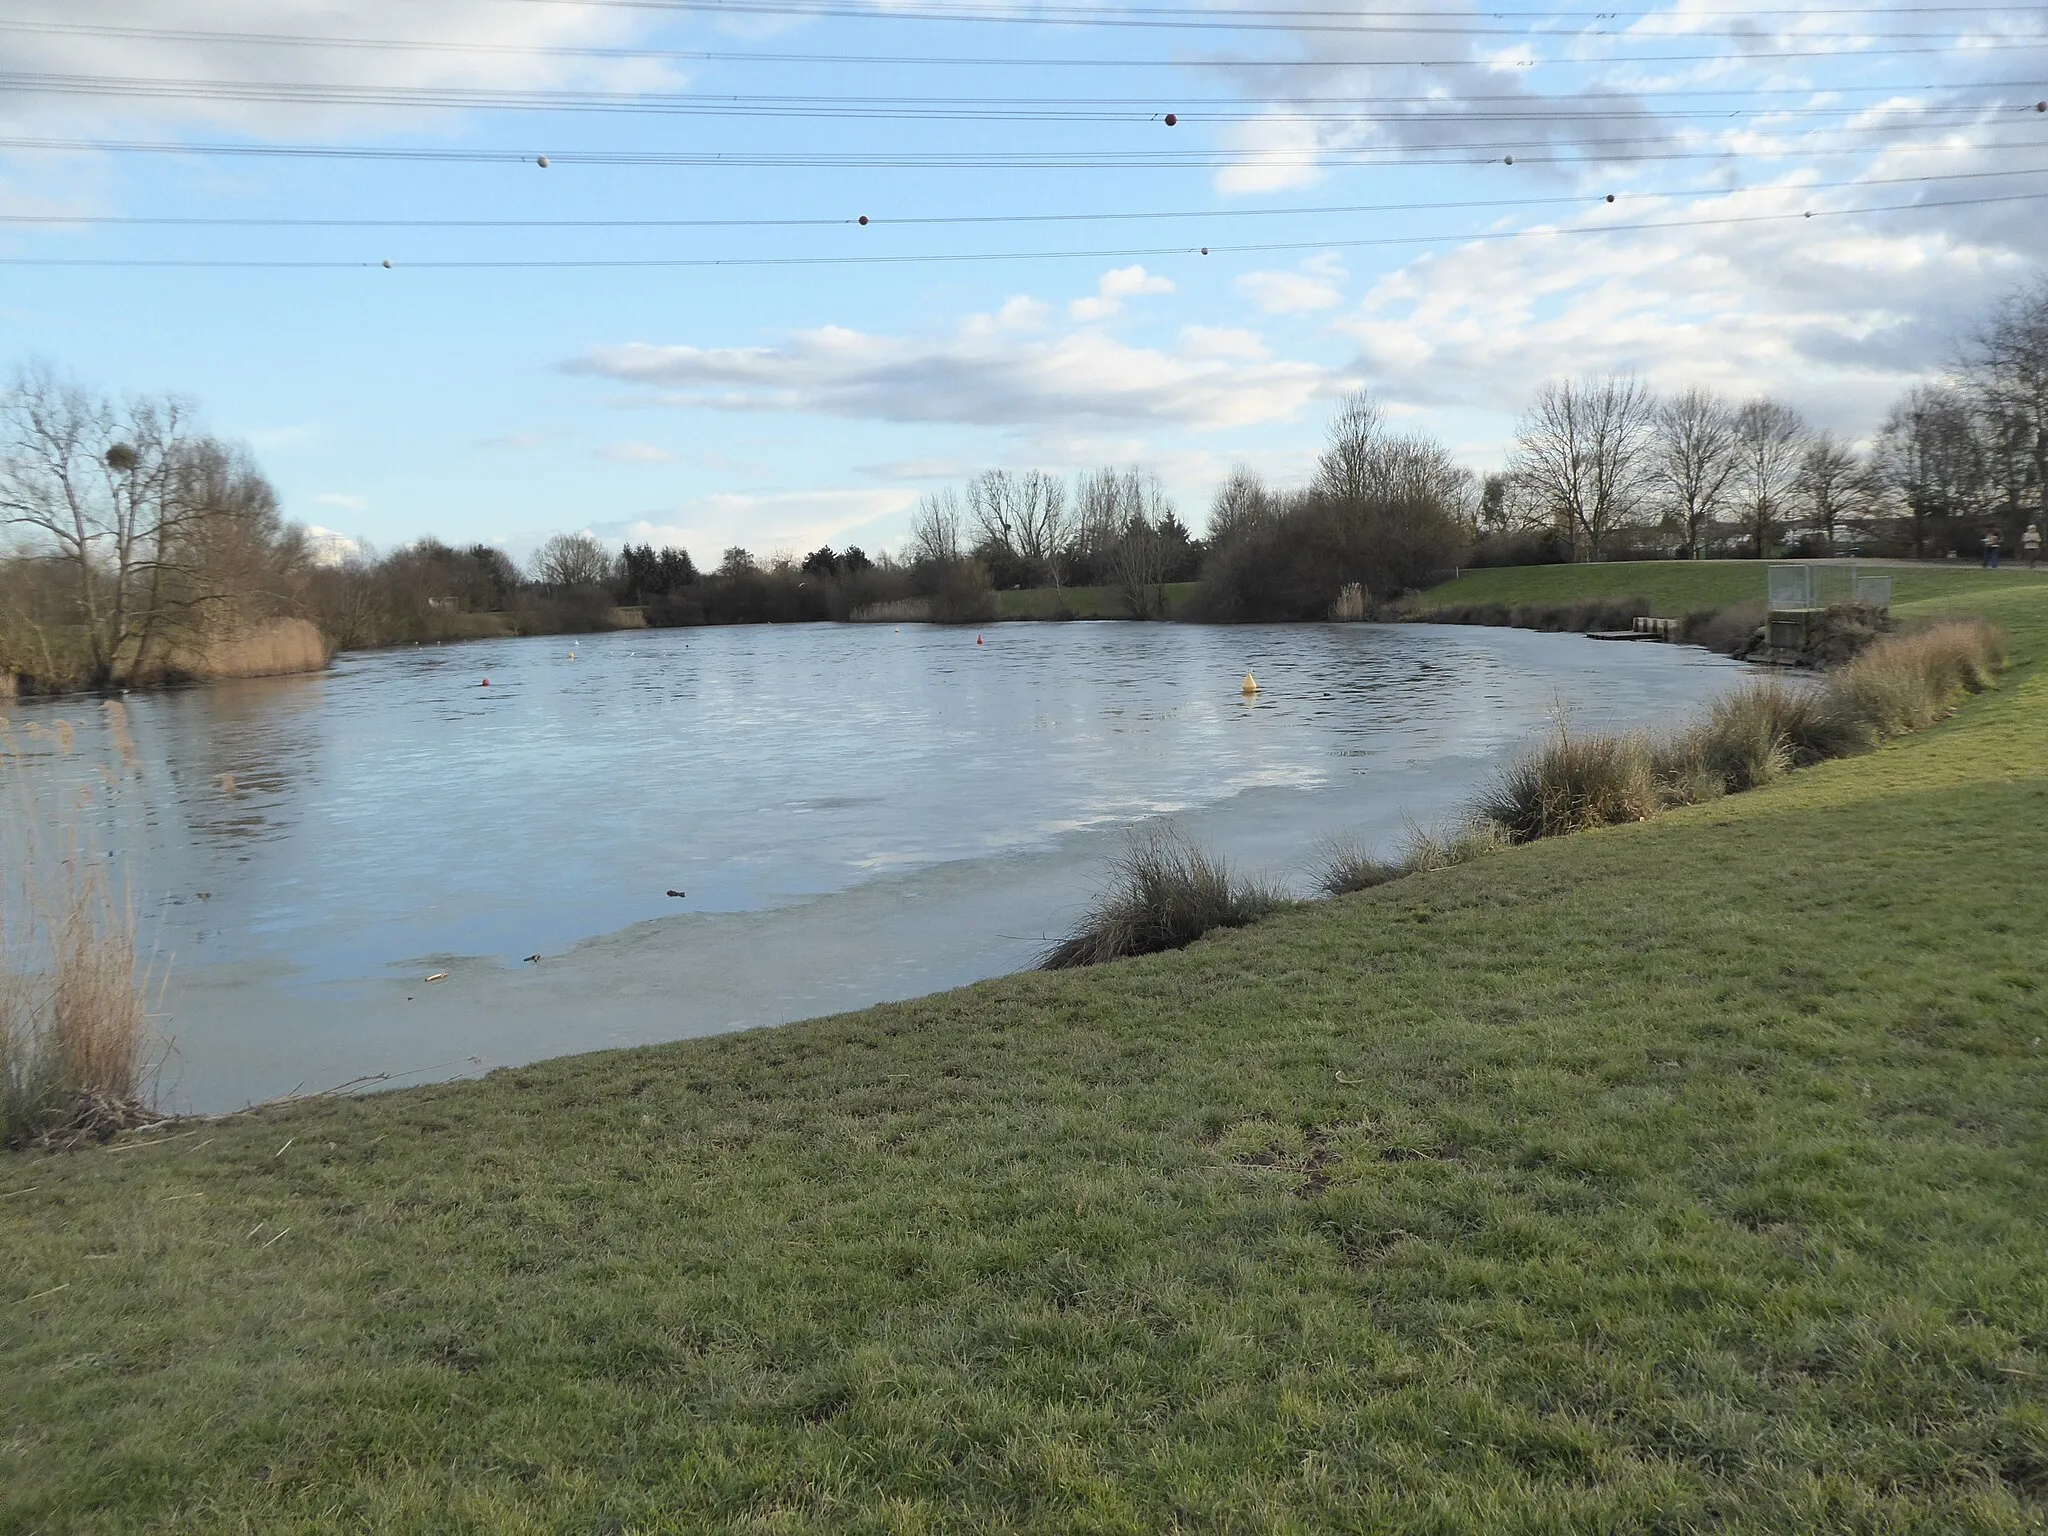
(2041, 106)
(387, 261)
(1508, 160)
(1205, 250)
(1171, 119)
(863, 220)
(542, 162)
(1610, 197)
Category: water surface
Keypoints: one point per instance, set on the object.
(855, 813)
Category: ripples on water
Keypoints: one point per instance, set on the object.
(304, 845)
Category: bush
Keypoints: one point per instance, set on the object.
(1731, 630)
(1581, 617)
(1571, 783)
(1842, 632)
(1164, 894)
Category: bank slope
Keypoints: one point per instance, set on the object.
(1688, 1175)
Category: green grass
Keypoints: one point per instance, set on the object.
(1084, 602)
(1680, 1176)
(1676, 587)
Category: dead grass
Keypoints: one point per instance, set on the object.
(78, 1046)
(271, 649)
(1570, 783)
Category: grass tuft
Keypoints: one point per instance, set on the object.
(1164, 893)
(1570, 783)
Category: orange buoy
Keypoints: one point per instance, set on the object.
(1250, 686)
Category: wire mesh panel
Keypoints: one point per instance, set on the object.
(1802, 588)
(1791, 587)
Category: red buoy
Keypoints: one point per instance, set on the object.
(485, 683)
(977, 639)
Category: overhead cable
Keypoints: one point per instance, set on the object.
(919, 258)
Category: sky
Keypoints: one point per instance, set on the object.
(676, 332)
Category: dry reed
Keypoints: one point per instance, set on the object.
(78, 1050)
(271, 649)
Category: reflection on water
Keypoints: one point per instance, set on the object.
(307, 844)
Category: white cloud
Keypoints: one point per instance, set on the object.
(1836, 314)
(1314, 285)
(916, 469)
(1083, 378)
(338, 499)
(1114, 287)
(1221, 341)
(198, 40)
(328, 547)
(784, 519)
(635, 453)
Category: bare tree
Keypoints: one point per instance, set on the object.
(95, 487)
(2006, 365)
(1345, 470)
(572, 560)
(1025, 515)
(1693, 459)
(1834, 483)
(935, 529)
(1583, 448)
(1242, 502)
(1930, 460)
(1770, 438)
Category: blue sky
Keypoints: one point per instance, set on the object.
(784, 405)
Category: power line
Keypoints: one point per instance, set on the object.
(1283, 19)
(946, 108)
(884, 222)
(746, 56)
(1384, 156)
(1267, 248)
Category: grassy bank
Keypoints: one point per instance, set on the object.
(1686, 1175)
(1677, 587)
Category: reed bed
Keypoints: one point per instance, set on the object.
(78, 1045)
(272, 649)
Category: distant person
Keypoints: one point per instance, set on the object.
(1991, 542)
(2030, 544)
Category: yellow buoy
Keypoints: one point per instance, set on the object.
(1250, 685)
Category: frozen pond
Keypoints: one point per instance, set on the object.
(856, 813)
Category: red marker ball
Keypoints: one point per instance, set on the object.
(485, 683)
(2041, 106)
(1171, 119)
(1610, 197)
(1205, 250)
(863, 218)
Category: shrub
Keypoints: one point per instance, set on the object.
(1731, 630)
(1843, 631)
(1164, 893)
(1571, 783)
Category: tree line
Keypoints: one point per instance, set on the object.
(1603, 467)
